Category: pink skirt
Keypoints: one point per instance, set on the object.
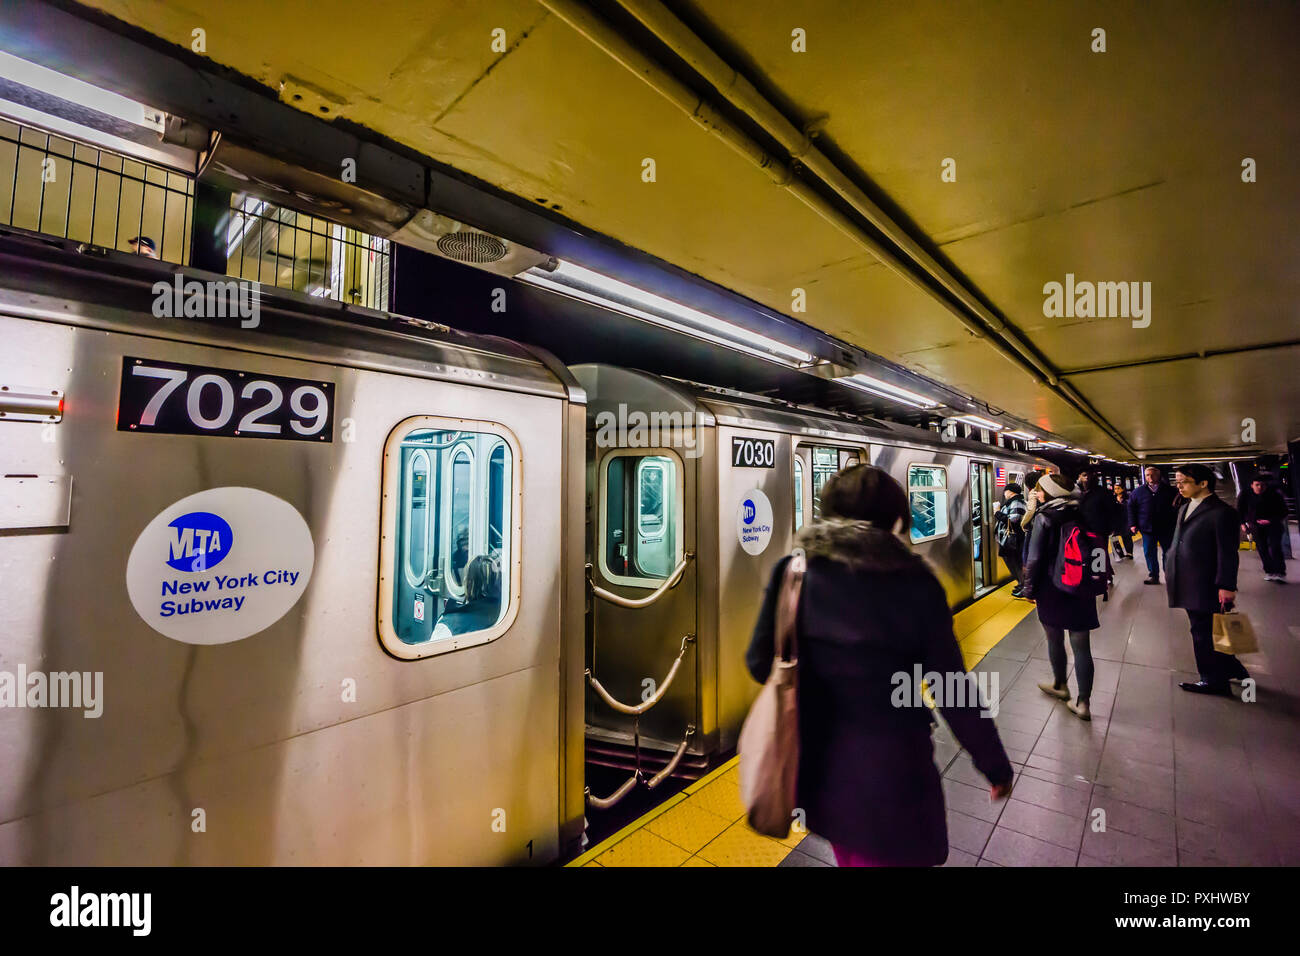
(846, 857)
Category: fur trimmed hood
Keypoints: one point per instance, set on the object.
(859, 544)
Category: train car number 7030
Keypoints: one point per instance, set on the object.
(176, 399)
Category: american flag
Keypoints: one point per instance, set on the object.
(1000, 476)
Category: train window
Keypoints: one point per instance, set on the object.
(641, 518)
(825, 463)
(450, 493)
(927, 493)
(415, 518)
(798, 492)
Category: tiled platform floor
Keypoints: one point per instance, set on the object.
(1181, 779)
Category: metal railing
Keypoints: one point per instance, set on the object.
(278, 246)
(63, 187)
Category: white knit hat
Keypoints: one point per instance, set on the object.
(1053, 487)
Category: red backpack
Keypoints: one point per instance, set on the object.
(1079, 552)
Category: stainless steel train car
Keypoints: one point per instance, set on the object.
(693, 495)
(302, 586)
(307, 585)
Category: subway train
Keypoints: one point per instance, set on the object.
(693, 495)
(322, 585)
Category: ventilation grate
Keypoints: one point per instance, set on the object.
(471, 247)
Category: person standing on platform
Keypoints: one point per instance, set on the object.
(1097, 508)
(1201, 574)
(1263, 517)
(1060, 611)
(1011, 537)
(1120, 528)
(1151, 511)
(871, 613)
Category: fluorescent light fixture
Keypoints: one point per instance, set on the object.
(64, 105)
(1023, 436)
(72, 90)
(876, 387)
(1052, 444)
(1079, 451)
(979, 422)
(618, 296)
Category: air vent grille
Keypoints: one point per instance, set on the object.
(467, 246)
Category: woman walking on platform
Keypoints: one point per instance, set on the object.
(871, 615)
(1060, 611)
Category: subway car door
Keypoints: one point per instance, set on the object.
(643, 606)
(984, 553)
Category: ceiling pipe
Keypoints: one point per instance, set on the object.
(743, 96)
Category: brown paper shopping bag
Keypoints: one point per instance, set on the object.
(1233, 634)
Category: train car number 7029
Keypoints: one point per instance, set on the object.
(176, 399)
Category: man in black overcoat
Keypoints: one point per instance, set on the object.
(1201, 574)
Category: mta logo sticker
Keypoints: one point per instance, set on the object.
(750, 511)
(199, 540)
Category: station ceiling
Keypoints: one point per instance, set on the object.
(1116, 166)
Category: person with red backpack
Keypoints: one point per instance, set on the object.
(1063, 576)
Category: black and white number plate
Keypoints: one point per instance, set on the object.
(175, 399)
(753, 452)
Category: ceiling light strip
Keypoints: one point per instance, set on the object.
(592, 298)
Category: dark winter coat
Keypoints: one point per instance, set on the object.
(872, 610)
(1203, 556)
(1056, 608)
(1153, 512)
(1270, 506)
(1119, 515)
(1098, 506)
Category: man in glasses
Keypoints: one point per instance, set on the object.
(1201, 574)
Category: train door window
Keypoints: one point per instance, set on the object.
(825, 463)
(641, 517)
(496, 497)
(415, 518)
(450, 495)
(927, 494)
(454, 548)
(798, 492)
(849, 459)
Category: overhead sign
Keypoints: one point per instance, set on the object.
(220, 565)
(754, 521)
(753, 452)
(176, 399)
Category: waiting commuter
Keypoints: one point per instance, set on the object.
(1122, 538)
(1011, 537)
(1263, 516)
(143, 246)
(1151, 510)
(1031, 482)
(1201, 574)
(1060, 611)
(1094, 502)
(872, 610)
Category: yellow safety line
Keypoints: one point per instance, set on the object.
(997, 614)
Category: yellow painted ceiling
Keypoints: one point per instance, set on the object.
(1123, 165)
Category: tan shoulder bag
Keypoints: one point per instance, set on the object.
(769, 740)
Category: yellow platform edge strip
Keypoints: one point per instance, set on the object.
(998, 613)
